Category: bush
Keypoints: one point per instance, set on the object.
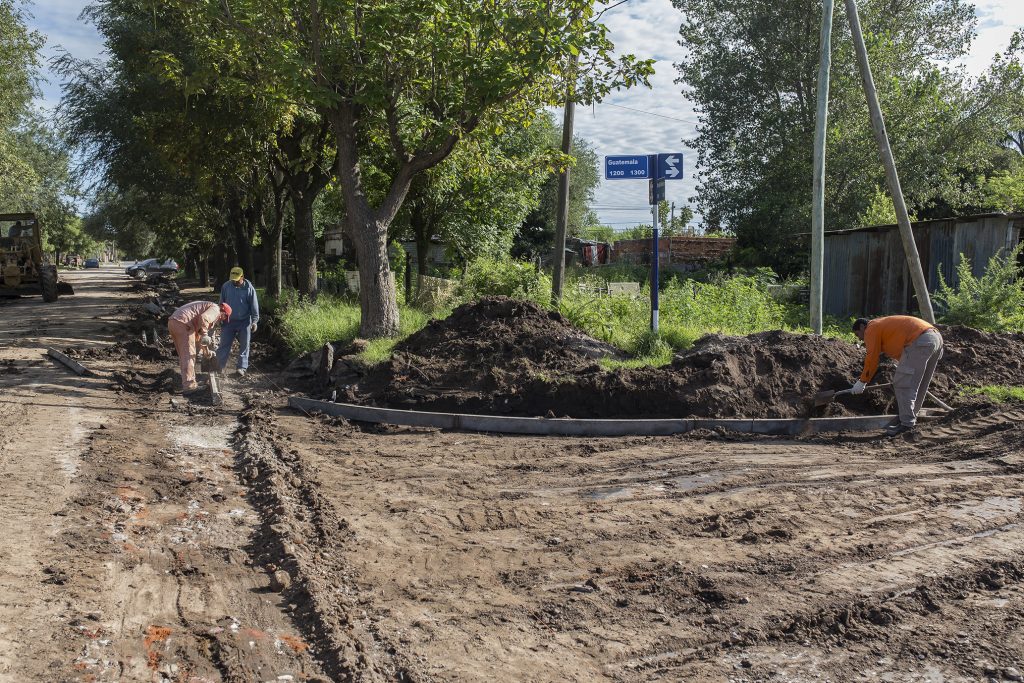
(487, 276)
(992, 302)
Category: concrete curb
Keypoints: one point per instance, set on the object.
(574, 427)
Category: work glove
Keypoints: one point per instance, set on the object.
(858, 388)
(252, 328)
(206, 340)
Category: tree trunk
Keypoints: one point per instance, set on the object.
(273, 265)
(422, 252)
(305, 245)
(204, 271)
(378, 298)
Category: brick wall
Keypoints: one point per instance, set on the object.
(674, 250)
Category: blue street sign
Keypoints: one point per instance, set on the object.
(670, 165)
(627, 167)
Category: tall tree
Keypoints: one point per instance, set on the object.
(751, 69)
(415, 76)
(537, 233)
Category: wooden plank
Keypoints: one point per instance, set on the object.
(586, 427)
(215, 396)
(78, 368)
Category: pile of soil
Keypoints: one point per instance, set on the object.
(508, 357)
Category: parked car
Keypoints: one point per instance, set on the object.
(92, 263)
(150, 266)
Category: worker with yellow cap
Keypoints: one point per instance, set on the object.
(238, 293)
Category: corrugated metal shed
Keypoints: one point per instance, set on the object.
(866, 272)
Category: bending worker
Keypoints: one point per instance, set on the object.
(916, 345)
(188, 326)
(238, 293)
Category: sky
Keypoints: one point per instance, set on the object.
(635, 121)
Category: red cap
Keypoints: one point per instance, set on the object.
(225, 311)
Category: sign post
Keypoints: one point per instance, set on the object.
(656, 168)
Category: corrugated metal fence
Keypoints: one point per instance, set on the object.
(866, 272)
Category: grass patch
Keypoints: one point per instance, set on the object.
(997, 392)
(308, 326)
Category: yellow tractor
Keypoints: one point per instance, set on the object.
(23, 269)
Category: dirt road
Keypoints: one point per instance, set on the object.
(126, 530)
(151, 540)
(467, 557)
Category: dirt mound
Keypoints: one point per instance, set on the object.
(973, 357)
(502, 356)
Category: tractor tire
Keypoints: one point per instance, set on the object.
(48, 283)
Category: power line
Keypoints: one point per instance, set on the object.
(651, 113)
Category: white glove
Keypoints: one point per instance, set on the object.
(858, 388)
(252, 328)
(206, 340)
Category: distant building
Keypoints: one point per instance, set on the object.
(336, 244)
(866, 270)
(679, 253)
(438, 253)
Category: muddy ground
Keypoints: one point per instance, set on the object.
(159, 540)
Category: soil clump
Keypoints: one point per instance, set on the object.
(509, 357)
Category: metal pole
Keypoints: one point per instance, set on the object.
(892, 177)
(562, 214)
(655, 249)
(818, 201)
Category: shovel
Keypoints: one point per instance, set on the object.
(823, 398)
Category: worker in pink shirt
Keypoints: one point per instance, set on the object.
(188, 326)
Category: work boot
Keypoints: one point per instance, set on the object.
(901, 428)
(240, 373)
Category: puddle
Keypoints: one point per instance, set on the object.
(610, 493)
(207, 436)
(695, 481)
(989, 509)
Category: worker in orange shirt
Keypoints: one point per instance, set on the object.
(913, 343)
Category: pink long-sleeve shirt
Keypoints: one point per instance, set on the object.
(198, 316)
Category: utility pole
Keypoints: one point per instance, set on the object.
(562, 215)
(892, 177)
(655, 258)
(818, 201)
(672, 220)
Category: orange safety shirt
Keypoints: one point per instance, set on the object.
(890, 335)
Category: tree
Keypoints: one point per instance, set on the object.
(476, 199)
(537, 233)
(416, 77)
(751, 68)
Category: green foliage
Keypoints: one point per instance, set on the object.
(880, 210)
(993, 302)
(751, 70)
(487, 276)
(688, 310)
(1004, 190)
(536, 235)
(999, 393)
(308, 326)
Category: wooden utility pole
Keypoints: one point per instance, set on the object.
(818, 201)
(562, 217)
(892, 177)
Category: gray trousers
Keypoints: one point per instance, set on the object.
(914, 374)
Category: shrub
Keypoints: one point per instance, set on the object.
(992, 302)
(487, 276)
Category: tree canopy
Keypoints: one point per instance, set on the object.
(751, 70)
